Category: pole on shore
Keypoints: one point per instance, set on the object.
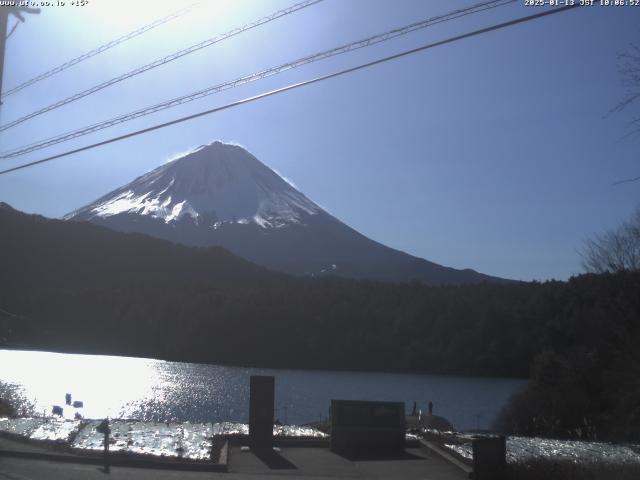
(105, 430)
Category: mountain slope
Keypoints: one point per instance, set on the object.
(220, 194)
(79, 287)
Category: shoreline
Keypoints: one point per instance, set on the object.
(24, 348)
(171, 441)
(544, 458)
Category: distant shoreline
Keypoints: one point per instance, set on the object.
(269, 367)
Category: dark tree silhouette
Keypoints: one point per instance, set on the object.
(78, 287)
(629, 69)
(615, 250)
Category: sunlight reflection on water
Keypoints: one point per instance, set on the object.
(160, 391)
(107, 386)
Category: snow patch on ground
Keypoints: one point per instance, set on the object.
(180, 440)
(522, 449)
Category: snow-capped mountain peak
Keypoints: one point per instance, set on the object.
(221, 195)
(213, 184)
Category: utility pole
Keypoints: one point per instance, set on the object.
(4, 17)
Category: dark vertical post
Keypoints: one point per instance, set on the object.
(105, 430)
(261, 403)
(489, 458)
(4, 16)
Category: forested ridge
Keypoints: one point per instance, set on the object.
(78, 287)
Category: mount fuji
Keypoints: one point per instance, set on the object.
(221, 195)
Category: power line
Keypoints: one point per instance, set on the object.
(298, 85)
(372, 40)
(161, 61)
(100, 49)
(627, 180)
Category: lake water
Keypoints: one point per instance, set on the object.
(160, 391)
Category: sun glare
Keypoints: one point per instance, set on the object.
(123, 14)
(195, 20)
(99, 381)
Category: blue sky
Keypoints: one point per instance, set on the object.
(494, 153)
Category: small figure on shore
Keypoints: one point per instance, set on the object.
(430, 407)
(67, 398)
(414, 412)
(106, 430)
